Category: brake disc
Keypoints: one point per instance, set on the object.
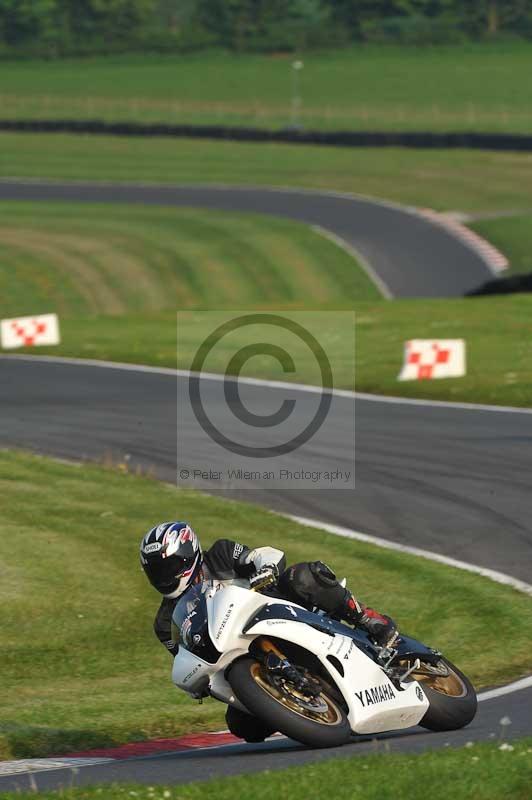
(314, 704)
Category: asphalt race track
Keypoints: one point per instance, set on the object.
(410, 255)
(447, 479)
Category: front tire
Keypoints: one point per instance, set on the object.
(452, 698)
(251, 684)
(246, 727)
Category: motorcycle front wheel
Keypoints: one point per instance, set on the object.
(316, 722)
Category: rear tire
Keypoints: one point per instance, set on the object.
(247, 680)
(448, 712)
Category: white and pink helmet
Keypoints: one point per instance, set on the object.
(170, 555)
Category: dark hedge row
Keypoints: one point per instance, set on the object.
(56, 28)
(421, 139)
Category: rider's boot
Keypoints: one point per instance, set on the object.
(380, 627)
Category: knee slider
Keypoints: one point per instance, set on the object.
(314, 584)
(298, 583)
(323, 573)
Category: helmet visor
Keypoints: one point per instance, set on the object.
(164, 574)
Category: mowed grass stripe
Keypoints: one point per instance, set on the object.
(239, 242)
(262, 257)
(112, 259)
(119, 266)
(101, 676)
(309, 259)
(22, 277)
(63, 255)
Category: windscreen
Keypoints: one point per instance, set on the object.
(190, 627)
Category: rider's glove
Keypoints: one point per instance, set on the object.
(266, 576)
(380, 627)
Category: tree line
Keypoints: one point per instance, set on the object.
(55, 28)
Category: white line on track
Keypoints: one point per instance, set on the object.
(299, 387)
(516, 686)
(337, 530)
(357, 256)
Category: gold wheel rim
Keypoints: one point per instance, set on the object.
(450, 684)
(333, 715)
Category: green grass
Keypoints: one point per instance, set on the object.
(482, 771)
(513, 236)
(470, 87)
(98, 259)
(80, 664)
(498, 332)
(444, 179)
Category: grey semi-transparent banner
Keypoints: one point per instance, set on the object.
(264, 400)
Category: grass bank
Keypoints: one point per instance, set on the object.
(482, 87)
(483, 771)
(95, 674)
(99, 259)
(467, 180)
(497, 331)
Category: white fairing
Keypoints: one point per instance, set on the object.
(230, 605)
(374, 703)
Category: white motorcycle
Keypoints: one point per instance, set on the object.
(310, 677)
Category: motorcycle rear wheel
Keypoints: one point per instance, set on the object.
(285, 711)
(453, 700)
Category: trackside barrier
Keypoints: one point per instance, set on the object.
(418, 139)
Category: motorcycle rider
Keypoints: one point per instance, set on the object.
(172, 558)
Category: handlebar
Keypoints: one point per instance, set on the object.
(262, 579)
